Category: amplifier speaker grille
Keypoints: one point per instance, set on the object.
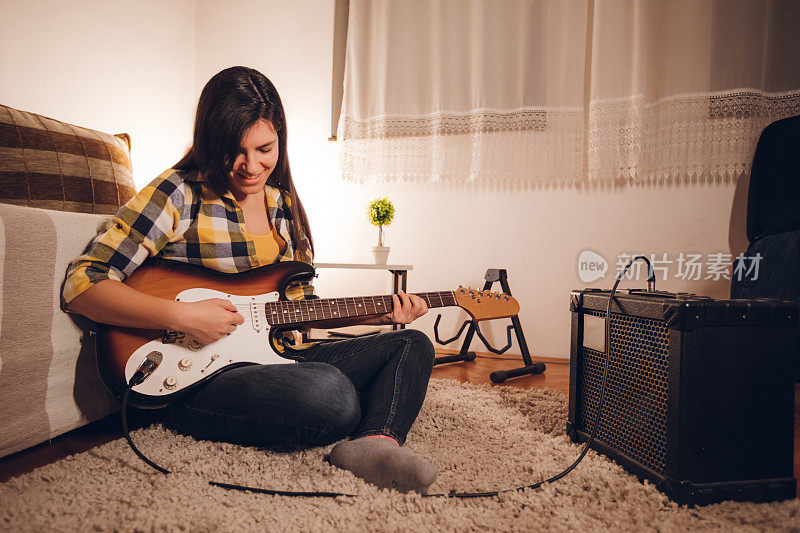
(635, 407)
(700, 392)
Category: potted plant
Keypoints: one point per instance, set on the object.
(380, 213)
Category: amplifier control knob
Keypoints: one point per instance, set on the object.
(185, 363)
(171, 382)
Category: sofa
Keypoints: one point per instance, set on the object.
(59, 184)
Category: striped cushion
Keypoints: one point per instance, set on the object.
(53, 165)
(48, 378)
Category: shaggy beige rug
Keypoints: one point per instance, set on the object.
(479, 437)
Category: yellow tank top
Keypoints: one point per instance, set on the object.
(268, 247)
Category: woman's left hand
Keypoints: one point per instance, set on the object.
(406, 308)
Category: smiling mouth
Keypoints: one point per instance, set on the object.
(250, 177)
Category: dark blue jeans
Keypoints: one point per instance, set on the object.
(357, 387)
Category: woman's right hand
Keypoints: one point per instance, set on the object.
(208, 320)
(112, 302)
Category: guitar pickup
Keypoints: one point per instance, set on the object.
(255, 314)
(169, 336)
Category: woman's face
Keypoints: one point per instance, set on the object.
(258, 154)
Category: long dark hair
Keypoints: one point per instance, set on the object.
(230, 103)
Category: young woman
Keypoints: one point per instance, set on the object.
(230, 205)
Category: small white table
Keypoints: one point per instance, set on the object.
(399, 274)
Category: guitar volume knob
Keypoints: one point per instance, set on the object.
(195, 345)
(185, 363)
(171, 382)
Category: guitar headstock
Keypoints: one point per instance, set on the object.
(483, 305)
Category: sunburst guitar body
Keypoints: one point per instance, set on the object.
(179, 363)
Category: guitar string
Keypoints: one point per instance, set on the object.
(343, 307)
(426, 295)
(446, 298)
(303, 309)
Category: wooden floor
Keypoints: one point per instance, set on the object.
(556, 377)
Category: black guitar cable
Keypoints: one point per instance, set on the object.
(149, 365)
(132, 383)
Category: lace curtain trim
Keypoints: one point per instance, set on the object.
(754, 103)
(554, 151)
(688, 136)
(442, 123)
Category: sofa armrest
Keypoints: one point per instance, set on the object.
(48, 378)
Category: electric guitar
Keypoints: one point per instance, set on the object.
(175, 363)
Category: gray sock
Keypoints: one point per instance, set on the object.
(384, 463)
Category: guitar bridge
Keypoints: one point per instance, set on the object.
(169, 336)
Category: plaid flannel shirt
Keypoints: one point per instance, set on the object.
(178, 217)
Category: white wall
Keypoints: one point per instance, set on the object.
(115, 66)
(452, 235)
(139, 66)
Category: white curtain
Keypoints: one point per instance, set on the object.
(682, 89)
(464, 90)
(564, 90)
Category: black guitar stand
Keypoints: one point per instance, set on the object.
(492, 275)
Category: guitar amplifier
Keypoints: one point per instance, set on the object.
(700, 392)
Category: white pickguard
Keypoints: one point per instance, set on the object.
(186, 361)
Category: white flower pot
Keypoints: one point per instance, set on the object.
(381, 254)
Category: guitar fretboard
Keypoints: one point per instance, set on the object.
(298, 312)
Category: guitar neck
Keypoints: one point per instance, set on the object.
(302, 311)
